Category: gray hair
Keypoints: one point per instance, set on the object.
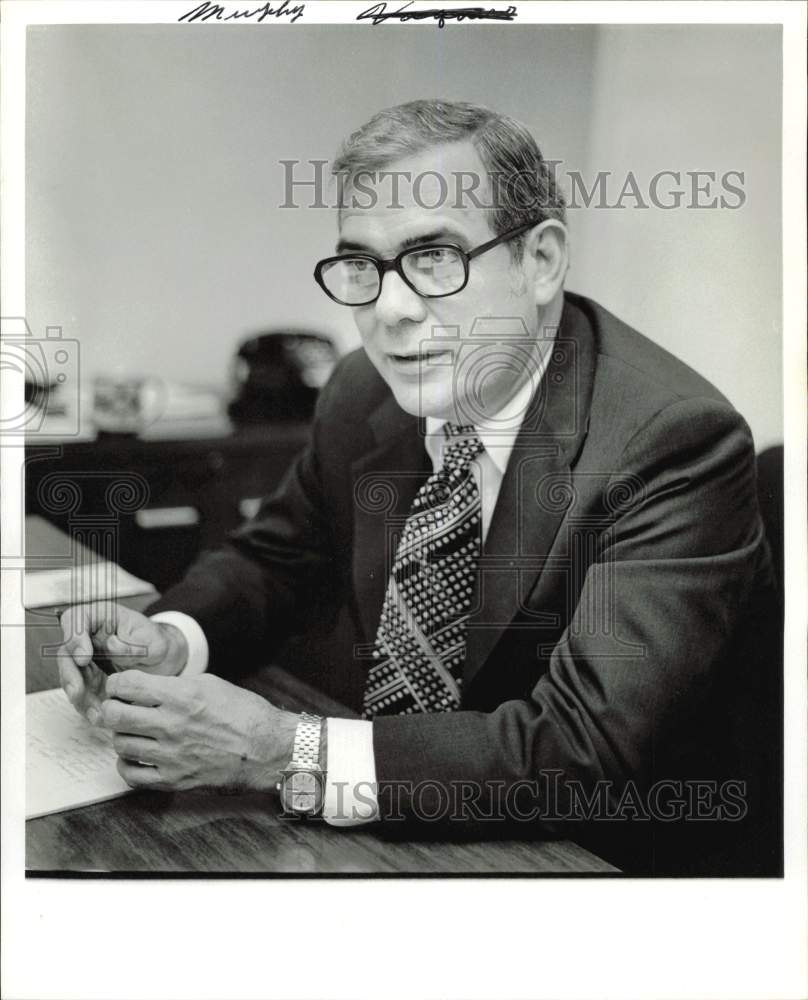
(522, 182)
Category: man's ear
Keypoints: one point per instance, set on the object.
(546, 252)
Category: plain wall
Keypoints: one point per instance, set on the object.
(706, 283)
(154, 174)
(155, 235)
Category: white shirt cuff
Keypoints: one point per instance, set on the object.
(197, 662)
(350, 790)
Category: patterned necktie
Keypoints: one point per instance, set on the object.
(421, 641)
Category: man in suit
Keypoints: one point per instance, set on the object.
(544, 527)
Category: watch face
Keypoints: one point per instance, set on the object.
(302, 792)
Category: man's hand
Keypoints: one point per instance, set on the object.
(177, 733)
(117, 638)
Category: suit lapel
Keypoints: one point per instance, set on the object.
(535, 490)
(385, 482)
(532, 501)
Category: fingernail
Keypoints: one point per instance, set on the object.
(70, 691)
(94, 716)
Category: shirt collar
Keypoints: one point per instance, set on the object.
(498, 434)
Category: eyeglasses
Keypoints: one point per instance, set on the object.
(433, 270)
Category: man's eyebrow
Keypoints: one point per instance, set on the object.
(437, 236)
(348, 245)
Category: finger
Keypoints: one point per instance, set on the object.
(138, 749)
(75, 631)
(129, 633)
(80, 692)
(116, 655)
(103, 616)
(140, 688)
(140, 776)
(70, 677)
(128, 652)
(131, 719)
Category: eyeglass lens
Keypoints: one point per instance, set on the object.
(432, 271)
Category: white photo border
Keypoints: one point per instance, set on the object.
(469, 938)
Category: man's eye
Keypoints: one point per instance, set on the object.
(439, 255)
(357, 265)
(435, 257)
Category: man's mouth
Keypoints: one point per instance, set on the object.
(419, 357)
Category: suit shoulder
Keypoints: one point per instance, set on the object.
(354, 390)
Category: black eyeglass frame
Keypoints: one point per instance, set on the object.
(383, 266)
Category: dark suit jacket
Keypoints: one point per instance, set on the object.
(624, 576)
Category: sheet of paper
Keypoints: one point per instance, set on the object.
(68, 762)
(77, 584)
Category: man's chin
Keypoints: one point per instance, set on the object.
(419, 401)
(419, 395)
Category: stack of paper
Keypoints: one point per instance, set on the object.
(68, 763)
(91, 581)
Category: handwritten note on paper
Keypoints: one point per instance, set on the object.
(68, 763)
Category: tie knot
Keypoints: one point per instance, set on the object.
(462, 445)
(458, 430)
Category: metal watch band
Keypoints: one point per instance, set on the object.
(306, 748)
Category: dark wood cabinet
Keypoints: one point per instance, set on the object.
(151, 506)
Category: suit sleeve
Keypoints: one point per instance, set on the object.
(259, 588)
(674, 568)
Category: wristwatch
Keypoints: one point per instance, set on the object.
(302, 784)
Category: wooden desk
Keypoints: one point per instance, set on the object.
(154, 832)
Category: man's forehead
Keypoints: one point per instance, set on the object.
(443, 187)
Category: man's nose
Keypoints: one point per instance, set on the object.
(397, 301)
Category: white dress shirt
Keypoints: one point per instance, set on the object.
(350, 797)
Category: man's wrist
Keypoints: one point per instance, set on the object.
(269, 749)
(287, 728)
(192, 656)
(177, 652)
(302, 781)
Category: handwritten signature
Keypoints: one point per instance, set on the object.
(379, 13)
(216, 11)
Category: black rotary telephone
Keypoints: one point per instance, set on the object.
(277, 375)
